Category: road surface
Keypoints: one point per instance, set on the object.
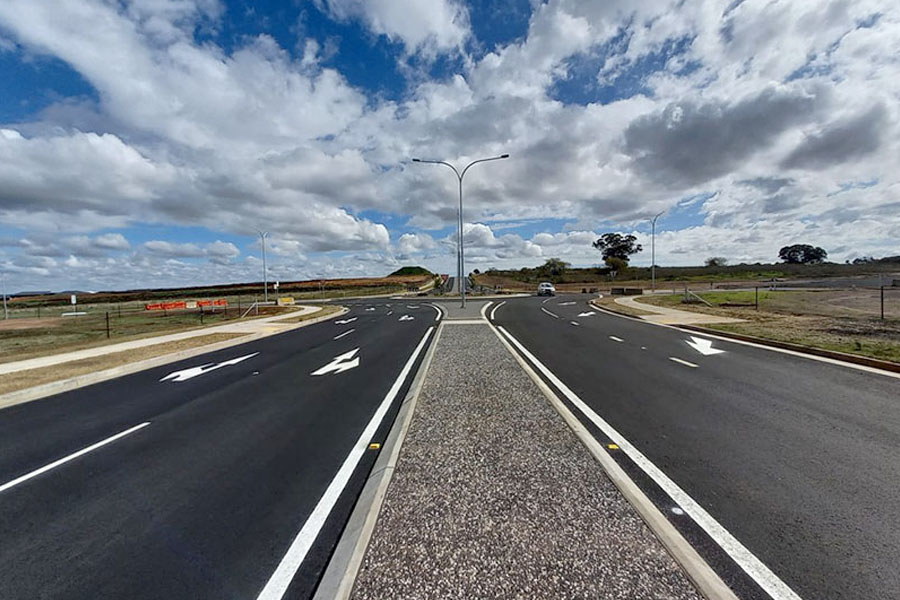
(206, 470)
(798, 459)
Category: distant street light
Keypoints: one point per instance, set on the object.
(460, 253)
(653, 251)
(5, 312)
(263, 235)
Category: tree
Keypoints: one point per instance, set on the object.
(553, 269)
(716, 261)
(802, 254)
(616, 245)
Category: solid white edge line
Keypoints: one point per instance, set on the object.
(439, 312)
(549, 313)
(748, 561)
(493, 312)
(72, 456)
(281, 578)
(484, 309)
(824, 359)
(683, 362)
(348, 332)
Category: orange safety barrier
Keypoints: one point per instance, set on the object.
(183, 304)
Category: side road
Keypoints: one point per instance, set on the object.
(494, 496)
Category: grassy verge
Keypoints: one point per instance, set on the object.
(21, 339)
(829, 320)
(25, 379)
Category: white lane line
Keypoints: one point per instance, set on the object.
(748, 561)
(348, 332)
(345, 321)
(390, 312)
(549, 313)
(683, 362)
(72, 456)
(616, 339)
(493, 312)
(575, 323)
(484, 309)
(278, 583)
(437, 317)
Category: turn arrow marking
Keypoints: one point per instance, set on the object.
(345, 321)
(587, 314)
(339, 364)
(703, 346)
(406, 318)
(186, 374)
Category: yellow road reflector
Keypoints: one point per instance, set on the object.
(374, 446)
(612, 446)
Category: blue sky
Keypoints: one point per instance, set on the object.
(143, 144)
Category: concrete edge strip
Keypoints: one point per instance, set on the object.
(707, 582)
(850, 361)
(340, 575)
(79, 381)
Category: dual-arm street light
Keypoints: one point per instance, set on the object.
(653, 251)
(460, 254)
(263, 235)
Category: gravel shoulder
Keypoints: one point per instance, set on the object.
(495, 497)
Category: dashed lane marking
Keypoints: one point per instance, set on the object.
(683, 362)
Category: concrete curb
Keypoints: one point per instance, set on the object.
(707, 581)
(854, 359)
(340, 575)
(65, 385)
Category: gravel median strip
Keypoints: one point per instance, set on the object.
(495, 497)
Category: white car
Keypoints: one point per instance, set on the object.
(546, 289)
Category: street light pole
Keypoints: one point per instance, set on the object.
(460, 249)
(264, 235)
(653, 251)
(5, 311)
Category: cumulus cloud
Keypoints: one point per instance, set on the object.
(769, 112)
(436, 26)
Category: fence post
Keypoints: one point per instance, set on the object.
(757, 297)
(119, 307)
(107, 324)
(201, 315)
(39, 311)
(882, 303)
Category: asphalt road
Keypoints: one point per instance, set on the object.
(206, 500)
(798, 459)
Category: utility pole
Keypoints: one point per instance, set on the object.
(263, 235)
(460, 252)
(653, 251)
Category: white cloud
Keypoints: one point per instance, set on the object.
(185, 134)
(429, 27)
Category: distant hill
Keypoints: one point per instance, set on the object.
(410, 271)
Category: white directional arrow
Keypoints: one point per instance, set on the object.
(406, 318)
(587, 314)
(186, 374)
(345, 321)
(339, 364)
(370, 308)
(703, 346)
